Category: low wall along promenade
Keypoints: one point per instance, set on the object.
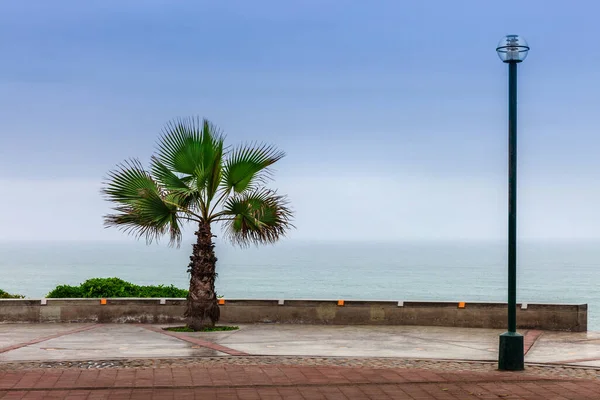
(555, 317)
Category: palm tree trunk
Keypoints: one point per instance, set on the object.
(202, 308)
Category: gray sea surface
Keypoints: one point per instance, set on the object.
(548, 272)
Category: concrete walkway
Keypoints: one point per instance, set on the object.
(38, 342)
(97, 361)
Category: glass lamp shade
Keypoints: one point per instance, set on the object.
(512, 48)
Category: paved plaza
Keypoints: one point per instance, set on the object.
(55, 342)
(273, 361)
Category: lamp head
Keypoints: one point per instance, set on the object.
(512, 48)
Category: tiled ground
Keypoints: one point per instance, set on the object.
(286, 382)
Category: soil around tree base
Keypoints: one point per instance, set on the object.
(206, 329)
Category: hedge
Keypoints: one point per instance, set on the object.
(114, 287)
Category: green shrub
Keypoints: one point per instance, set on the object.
(114, 287)
(162, 291)
(66, 292)
(108, 287)
(5, 295)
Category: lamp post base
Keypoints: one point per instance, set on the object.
(511, 356)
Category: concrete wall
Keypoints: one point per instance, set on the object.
(556, 317)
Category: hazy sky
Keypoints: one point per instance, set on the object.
(393, 114)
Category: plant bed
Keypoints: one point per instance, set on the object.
(208, 329)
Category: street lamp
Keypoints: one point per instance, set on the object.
(512, 50)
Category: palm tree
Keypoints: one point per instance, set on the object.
(193, 178)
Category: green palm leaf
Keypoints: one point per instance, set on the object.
(193, 148)
(141, 208)
(260, 216)
(248, 165)
(178, 187)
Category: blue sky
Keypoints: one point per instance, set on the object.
(393, 114)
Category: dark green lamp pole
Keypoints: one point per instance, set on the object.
(512, 50)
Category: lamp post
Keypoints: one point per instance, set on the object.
(512, 50)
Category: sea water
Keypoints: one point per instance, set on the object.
(548, 272)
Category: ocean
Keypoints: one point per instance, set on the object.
(548, 272)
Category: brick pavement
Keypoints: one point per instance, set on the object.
(287, 382)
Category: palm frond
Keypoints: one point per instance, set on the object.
(141, 208)
(179, 189)
(192, 147)
(248, 165)
(216, 172)
(260, 216)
